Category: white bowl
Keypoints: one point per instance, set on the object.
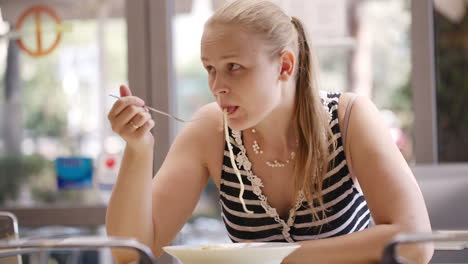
(232, 253)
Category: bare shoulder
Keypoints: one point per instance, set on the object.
(366, 126)
(209, 127)
(208, 134)
(361, 104)
(212, 117)
(345, 98)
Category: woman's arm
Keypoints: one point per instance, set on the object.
(128, 213)
(356, 248)
(390, 189)
(154, 210)
(129, 210)
(179, 183)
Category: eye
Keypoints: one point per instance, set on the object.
(234, 66)
(209, 68)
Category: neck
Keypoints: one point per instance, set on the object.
(277, 131)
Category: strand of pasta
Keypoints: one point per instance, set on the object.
(233, 163)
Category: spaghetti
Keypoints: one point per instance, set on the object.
(233, 163)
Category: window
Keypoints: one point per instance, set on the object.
(55, 105)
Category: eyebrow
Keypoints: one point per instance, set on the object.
(222, 57)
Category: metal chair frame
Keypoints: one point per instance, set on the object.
(27, 246)
(390, 255)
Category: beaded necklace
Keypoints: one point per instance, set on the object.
(275, 164)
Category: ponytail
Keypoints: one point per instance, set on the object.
(313, 129)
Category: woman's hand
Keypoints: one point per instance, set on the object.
(132, 121)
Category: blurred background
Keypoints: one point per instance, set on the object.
(60, 59)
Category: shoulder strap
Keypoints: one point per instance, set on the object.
(346, 119)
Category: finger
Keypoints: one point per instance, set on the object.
(141, 118)
(128, 129)
(146, 127)
(126, 116)
(133, 125)
(125, 91)
(123, 103)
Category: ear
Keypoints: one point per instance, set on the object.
(287, 60)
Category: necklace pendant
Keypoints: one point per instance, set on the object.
(276, 164)
(256, 148)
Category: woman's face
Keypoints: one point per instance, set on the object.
(242, 74)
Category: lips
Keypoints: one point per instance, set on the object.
(231, 109)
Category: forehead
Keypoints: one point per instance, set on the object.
(223, 40)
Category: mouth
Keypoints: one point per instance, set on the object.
(230, 109)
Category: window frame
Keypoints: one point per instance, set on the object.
(423, 82)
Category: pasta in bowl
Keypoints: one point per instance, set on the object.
(232, 253)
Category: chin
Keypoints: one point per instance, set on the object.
(236, 124)
(239, 124)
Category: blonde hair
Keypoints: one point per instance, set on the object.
(281, 31)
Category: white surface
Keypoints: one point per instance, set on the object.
(245, 253)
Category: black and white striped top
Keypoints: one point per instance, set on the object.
(347, 209)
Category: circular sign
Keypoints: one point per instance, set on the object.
(38, 12)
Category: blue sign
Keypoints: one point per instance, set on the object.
(74, 173)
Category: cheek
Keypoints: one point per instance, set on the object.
(224, 79)
(267, 86)
(211, 80)
(262, 100)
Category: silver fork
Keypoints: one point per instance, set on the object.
(164, 113)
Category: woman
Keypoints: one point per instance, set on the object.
(307, 180)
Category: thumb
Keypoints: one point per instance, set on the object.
(125, 91)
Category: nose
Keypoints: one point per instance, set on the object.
(218, 86)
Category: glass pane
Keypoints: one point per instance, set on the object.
(386, 37)
(451, 51)
(54, 100)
